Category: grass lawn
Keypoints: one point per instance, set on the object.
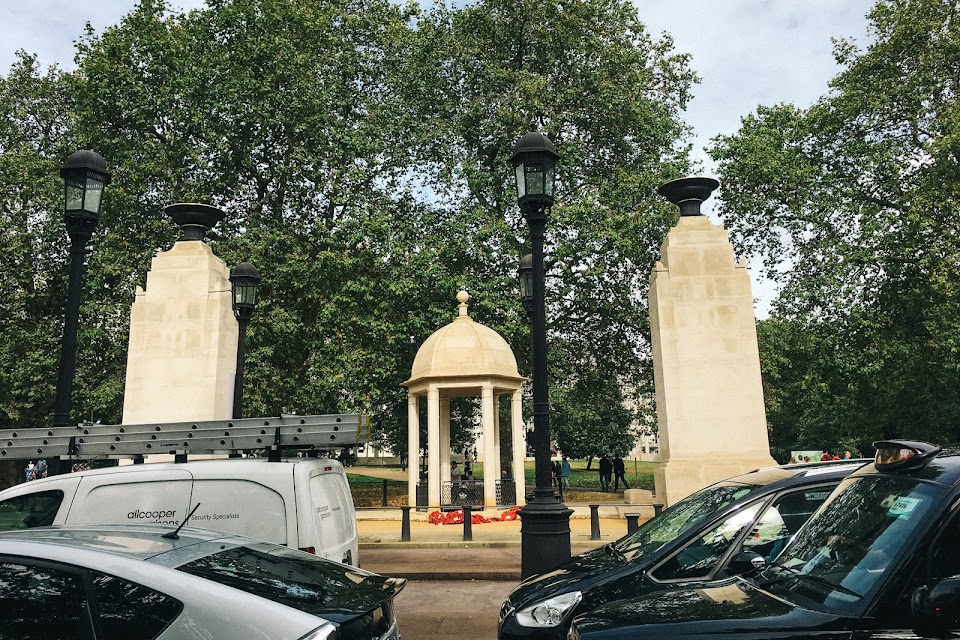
(584, 485)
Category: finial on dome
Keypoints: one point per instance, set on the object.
(462, 297)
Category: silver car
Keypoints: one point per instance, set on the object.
(145, 582)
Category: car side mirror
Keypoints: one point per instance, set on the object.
(747, 562)
(937, 608)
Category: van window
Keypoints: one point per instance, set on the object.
(240, 506)
(162, 502)
(30, 510)
(332, 509)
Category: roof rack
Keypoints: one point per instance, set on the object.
(90, 441)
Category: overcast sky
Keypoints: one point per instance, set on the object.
(747, 52)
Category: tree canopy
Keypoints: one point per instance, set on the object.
(360, 150)
(852, 204)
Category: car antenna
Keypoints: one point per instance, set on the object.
(173, 534)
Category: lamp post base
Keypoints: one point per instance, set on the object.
(544, 535)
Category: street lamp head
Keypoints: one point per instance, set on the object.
(244, 279)
(534, 161)
(525, 276)
(84, 177)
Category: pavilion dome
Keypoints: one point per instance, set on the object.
(464, 348)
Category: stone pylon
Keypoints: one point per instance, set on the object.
(706, 362)
(183, 334)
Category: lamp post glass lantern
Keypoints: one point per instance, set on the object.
(525, 278)
(545, 526)
(244, 281)
(84, 176)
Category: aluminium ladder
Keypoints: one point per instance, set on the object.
(89, 441)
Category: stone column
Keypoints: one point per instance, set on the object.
(496, 435)
(182, 353)
(433, 446)
(706, 362)
(519, 445)
(445, 439)
(489, 447)
(413, 449)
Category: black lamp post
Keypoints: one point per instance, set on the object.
(545, 526)
(84, 177)
(245, 279)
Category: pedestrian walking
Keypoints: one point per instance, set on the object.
(619, 474)
(606, 472)
(565, 472)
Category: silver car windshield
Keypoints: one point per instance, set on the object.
(679, 518)
(292, 578)
(842, 553)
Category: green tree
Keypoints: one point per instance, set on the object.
(852, 204)
(587, 73)
(360, 150)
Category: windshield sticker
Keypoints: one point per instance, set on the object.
(815, 496)
(900, 507)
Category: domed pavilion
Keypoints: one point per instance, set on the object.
(465, 359)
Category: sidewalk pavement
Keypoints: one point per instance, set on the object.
(439, 552)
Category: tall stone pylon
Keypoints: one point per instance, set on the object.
(183, 334)
(706, 362)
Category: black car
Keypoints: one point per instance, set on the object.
(880, 559)
(702, 537)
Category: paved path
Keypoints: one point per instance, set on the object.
(449, 610)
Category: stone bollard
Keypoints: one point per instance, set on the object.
(467, 523)
(405, 525)
(657, 508)
(594, 522)
(384, 500)
(632, 522)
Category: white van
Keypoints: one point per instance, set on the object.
(303, 503)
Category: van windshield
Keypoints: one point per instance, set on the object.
(844, 550)
(679, 518)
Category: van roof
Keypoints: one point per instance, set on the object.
(232, 466)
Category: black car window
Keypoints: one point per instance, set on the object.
(844, 552)
(681, 517)
(40, 603)
(129, 611)
(699, 557)
(30, 510)
(782, 519)
(945, 553)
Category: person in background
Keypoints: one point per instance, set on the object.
(826, 456)
(846, 455)
(41, 469)
(606, 472)
(454, 472)
(565, 472)
(619, 474)
(31, 471)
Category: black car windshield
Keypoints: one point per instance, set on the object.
(842, 553)
(299, 580)
(679, 518)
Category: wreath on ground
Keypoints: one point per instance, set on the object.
(456, 517)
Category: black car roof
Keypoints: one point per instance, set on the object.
(944, 469)
(789, 474)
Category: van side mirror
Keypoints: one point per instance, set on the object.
(746, 563)
(937, 609)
